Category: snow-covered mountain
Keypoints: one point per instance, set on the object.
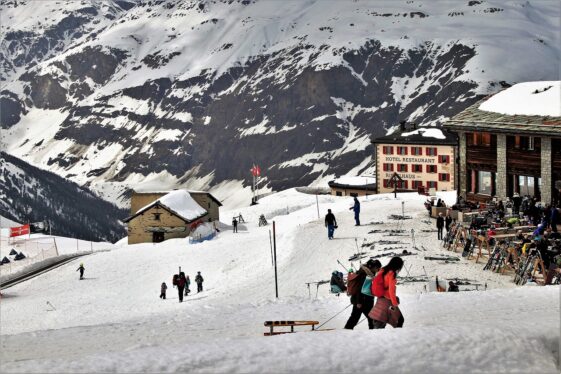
(118, 94)
(29, 194)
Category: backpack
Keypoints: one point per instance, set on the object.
(367, 285)
(378, 287)
(175, 279)
(353, 284)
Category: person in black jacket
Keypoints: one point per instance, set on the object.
(362, 304)
(440, 225)
(199, 280)
(330, 223)
(448, 222)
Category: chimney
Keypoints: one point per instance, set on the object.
(402, 125)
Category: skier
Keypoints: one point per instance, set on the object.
(386, 309)
(356, 209)
(163, 289)
(235, 224)
(199, 280)
(362, 303)
(440, 225)
(181, 285)
(81, 268)
(330, 223)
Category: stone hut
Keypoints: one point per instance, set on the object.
(158, 216)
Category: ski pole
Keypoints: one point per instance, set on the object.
(317, 328)
(346, 269)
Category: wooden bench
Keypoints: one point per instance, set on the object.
(272, 324)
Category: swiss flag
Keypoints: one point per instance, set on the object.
(256, 171)
(18, 231)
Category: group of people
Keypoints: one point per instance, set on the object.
(182, 282)
(331, 221)
(372, 291)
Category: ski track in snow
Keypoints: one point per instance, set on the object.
(113, 320)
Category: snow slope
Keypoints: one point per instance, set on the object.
(114, 321)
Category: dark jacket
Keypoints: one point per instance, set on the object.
(199, 279)
(440, 222)
(330, 219)
(448, 222)
(361, 298)
(356, 207)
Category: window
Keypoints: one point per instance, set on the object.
(386, 183)
(525, 143)
(401, 150)
(432, 185)
(481, 139)
(387, 150)
(157, 216)
(209, 204)
(417, 151)
(387, 167)
(353, 194)
(402, 167)
(444, 177)
(444, 159)
(431, 151)
(484, 182)
(338, 193)
(417, 168)
(431, 169)
(417, 184)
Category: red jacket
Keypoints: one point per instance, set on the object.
(390, 283)
(181, 282)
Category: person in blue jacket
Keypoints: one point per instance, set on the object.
(356, 209)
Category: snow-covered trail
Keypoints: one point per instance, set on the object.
(493, 331)
(114, 317)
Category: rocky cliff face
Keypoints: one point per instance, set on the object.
(117, 94)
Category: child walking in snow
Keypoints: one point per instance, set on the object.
(163, 290)
(81, 268)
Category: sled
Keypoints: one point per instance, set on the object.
(291, 324)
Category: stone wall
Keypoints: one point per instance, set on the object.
(546, 170)
(501, 174)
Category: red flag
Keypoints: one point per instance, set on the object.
(18, 231)
(257, 170)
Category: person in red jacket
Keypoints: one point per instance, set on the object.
(386, 309)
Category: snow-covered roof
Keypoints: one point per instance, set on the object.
(142, 190)
(528, 98)
(426, 132)
(178, 202)
(361, 182)
(530, 108)
(421, 135)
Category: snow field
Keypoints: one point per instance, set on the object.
(114, 321)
